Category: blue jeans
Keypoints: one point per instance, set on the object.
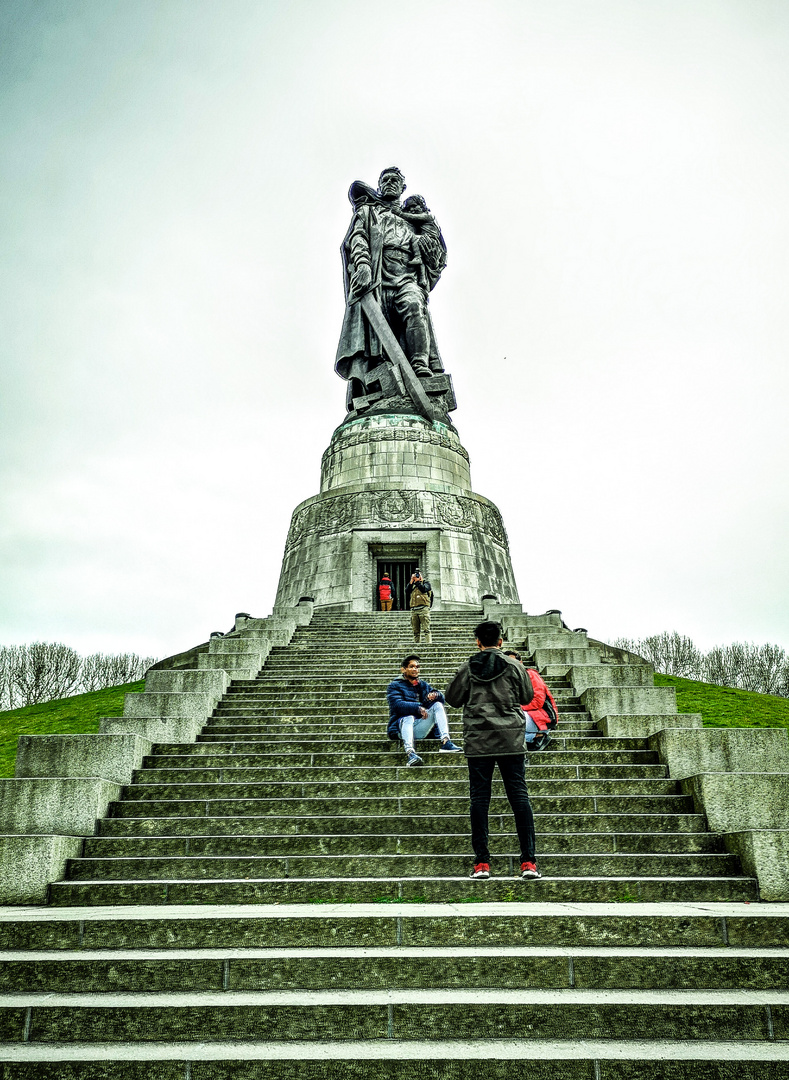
(532, 731)
(480, 777)
(415, 727)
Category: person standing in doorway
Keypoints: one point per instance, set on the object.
(386, 593)
(419, 597)
(493, 688)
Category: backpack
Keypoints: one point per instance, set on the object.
(553, 717)
(385, 590)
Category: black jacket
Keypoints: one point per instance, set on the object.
(492, 688)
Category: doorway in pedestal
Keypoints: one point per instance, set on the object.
(400, 572)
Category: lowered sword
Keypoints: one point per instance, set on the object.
(395, 354)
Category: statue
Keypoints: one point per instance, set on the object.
(393, 255)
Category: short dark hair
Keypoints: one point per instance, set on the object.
(487, 633)
(409, 658)
(511, 652)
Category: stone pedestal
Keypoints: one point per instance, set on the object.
(399, 488)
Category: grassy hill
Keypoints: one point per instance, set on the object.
(73, 715)
(723, 706)
(720, 706)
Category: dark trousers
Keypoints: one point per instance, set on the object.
(480, 777)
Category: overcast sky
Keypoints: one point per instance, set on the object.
(611, 180)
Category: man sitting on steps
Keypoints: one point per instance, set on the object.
(414, 709)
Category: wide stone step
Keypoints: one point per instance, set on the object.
(439, 789)
(150, 971)
(240, 767)
(449, 865)
(458, 890)
(392, 807)
(351, 731)
(505, 844)
(320, 757)
(654, 926)
(347, 824)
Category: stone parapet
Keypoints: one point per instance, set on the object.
(566, 657)
(740, 801)
(585, 676)
(624, 726)
(112, 757)
(764, 853)
(29, 863)
(601, 701)
(244, 664)
(196, 705)
(200, 681)
(549, 638)
(157, 729)
(62, 805)
(722, 750)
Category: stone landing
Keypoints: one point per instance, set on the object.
(397, 488)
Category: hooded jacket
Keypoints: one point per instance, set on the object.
(492, 688)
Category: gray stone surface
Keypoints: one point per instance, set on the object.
(157, 729)
(736, 802)
(29, 863)
(113, 757)
(213, 683)
(764, 853)
(64, 805)
(722, 750)
(619, 726)
(238, 665)
(584, 676)
(605, 700)
(175, 705)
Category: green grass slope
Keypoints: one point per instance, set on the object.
(67, 716)
(723, 706)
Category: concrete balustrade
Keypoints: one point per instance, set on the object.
(736, 802)
(727, 750)
(111, 757)
(238, 665)
(187, 681)
(174, 705)
(29, 863)
(624, 726)
(157, 729)
(63, 805)
(584, 676)
(567, 657)
(602, 701)
(555, 639)
(764, 853)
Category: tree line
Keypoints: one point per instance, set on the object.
(44, 671)
(763, 668)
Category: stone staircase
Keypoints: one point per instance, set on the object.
(285, 898)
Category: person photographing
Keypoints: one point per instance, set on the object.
(419, 597)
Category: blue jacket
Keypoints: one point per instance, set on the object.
(405, 699)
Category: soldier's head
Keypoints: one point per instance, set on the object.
(391, 183)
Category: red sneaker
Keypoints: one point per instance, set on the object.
(481, 869)
(529, 870)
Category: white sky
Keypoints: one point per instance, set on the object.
(611, 181)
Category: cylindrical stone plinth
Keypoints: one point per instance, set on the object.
(395, 488)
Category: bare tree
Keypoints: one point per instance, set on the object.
(45, 670)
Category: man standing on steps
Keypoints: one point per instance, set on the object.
(492, 688)
(419, 597)
(415, 707)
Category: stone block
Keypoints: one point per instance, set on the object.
(112, 757)
(736, 802)
(213, 683)
(548, 638)
(62, 805)
(175, 705)
(722, 750)
(584, 676)
(157, 729)
(568, 657)
(238, 665)
(29, 864)
(497, 612)
(764, 854)
(624, 726)
(602, 701)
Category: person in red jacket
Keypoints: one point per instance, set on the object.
(386, 593)
(541, 712)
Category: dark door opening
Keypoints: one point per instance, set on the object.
(400, 573)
